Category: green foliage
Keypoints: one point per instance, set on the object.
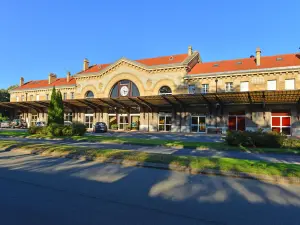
(291, 143)
(79, 129)
(114, 126)
(67, 131)
(59, 108)
(35, 130)
(3, 118)
(255, 139)
(56, 108)
(58, 130)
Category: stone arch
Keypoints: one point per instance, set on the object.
(87, 88)
(165, 82)
(123, 76)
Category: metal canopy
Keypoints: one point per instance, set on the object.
(223, 98)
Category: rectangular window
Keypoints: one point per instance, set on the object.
(37, 97)
(229, 86)
(17, 98)
(22, 98)
(72, 95)
(290, 84)
(47, 97)
(205, 88)
(192, 89)
(271, 85)
(281, 122)
(69, 117)
(244, 86)
(65, 96)
(31, 97)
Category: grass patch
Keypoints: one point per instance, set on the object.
(220, 146)
(220, 164)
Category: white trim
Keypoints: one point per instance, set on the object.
(280, 126)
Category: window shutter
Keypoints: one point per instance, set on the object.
(244, 86)
(290, 84)
(272, 85)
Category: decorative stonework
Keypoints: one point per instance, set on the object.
(100, 86)
(149, 83)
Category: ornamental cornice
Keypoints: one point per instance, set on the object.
(138, 66)
(35, 90)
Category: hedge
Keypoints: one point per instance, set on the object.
(57, 130)
(260, 139)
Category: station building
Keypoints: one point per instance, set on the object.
(175, 93)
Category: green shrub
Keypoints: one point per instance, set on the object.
(78, 129)
(255, 139)
(67, 131)
(55, 129)
(34, 129)
(114, 126)
(291, 143)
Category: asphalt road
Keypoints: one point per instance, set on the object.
(38, 190)
(294, 159)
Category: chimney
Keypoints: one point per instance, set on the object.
(21, 81)
(258, 52)
(51, 78)
(190, 50)
(69, 77)
(85, 64)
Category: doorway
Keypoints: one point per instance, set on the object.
(89, 121)
(123, 122)
(164, 122)
(198, 124)
(135, 122)
(237, 122)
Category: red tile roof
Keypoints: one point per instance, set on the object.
(44, 84)
(163, 60)
(246, 64)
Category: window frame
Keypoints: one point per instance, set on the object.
(230, 84)
(285, 84)
(269, 82)
(244, 82)
(167, 93)
(205, 88)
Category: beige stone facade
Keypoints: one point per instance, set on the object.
(181, 78)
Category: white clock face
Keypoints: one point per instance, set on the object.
(124, 91)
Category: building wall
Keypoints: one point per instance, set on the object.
(147, 83)
(257, 80)
(41, 92)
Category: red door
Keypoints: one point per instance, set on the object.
(236, 123)
(232, 123)
(241, 123)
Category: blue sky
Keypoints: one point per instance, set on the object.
(42, 36)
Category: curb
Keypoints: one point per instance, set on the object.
(184, 169)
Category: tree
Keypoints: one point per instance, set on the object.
(56, 108)
(4, 93)
(59, 108)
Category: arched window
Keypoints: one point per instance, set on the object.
(165, 90)
(89, 94)
(124, 88)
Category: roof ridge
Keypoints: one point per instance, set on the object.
(236, 59)
(161, 56)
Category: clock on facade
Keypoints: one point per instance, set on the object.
(124, 91)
